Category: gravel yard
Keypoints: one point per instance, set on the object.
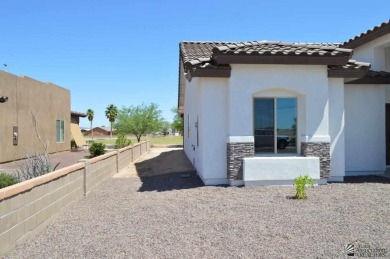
(171, 215)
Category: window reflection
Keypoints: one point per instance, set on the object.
(283, 111)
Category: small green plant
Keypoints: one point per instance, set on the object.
(122, 141)
(7, 180)
(97, 149)
(301, 184)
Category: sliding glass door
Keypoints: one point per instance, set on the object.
(275, 125)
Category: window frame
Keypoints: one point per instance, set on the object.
(60, 131)
(275, 130)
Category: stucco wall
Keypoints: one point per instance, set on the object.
(374, 53)
(224, 107)
(213, 129)
(308, 83)
(191, 112)
(387, 59)
(337, 129)
(48, 102)
(365, 145)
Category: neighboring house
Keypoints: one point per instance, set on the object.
(75, 117)
(99, 132)
(259, 113)
(49, 103)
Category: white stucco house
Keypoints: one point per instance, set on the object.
(260, 113)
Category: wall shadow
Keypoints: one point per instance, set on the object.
(366, 179)
(166, 172)
(363, 179)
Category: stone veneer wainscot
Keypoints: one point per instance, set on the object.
(320, 150)
(235, 153)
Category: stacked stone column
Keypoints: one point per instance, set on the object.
(236, 152)
(320, 150)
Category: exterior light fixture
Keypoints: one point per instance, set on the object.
(3, 99)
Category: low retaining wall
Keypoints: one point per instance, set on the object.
(27, 207)
(279, 170)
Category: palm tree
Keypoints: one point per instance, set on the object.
(111, 114)
(90, 115)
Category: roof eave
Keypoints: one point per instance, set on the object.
(371, 80)
(346, 73)
(212, 72)
(78, 114)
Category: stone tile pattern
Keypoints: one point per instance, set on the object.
(278, 48)
(320, 150)
(235, 153)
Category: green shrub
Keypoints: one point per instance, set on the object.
(7, 180)
(300, 184)
(90, 142)
(122, 141)
(97, 149)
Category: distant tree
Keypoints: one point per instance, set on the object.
(165, 127)
(139, 120)
(90, 115)
(178, 123)
(111, 114)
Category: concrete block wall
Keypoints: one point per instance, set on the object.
(27, 207)
(100, 168)
(25, 210)
(125, 155)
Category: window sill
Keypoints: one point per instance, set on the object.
(278, 155)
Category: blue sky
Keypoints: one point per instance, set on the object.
(126, 52)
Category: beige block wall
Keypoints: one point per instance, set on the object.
(26, 208)
(23, 214)
(48, 103)
(98, 171)
(125, 157)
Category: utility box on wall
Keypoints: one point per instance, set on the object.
(15, 135)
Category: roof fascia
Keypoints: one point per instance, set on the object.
(372, 80)
(370, 36)
(346, 73)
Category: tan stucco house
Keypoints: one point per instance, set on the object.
(49, 103)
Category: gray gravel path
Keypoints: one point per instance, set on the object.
(168, 216)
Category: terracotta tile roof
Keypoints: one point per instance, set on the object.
(352, 69)
(353, 65)
(197, 52)
(369, 35)
(282, 48)
(214, 53)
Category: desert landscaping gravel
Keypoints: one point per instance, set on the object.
(172, 215)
